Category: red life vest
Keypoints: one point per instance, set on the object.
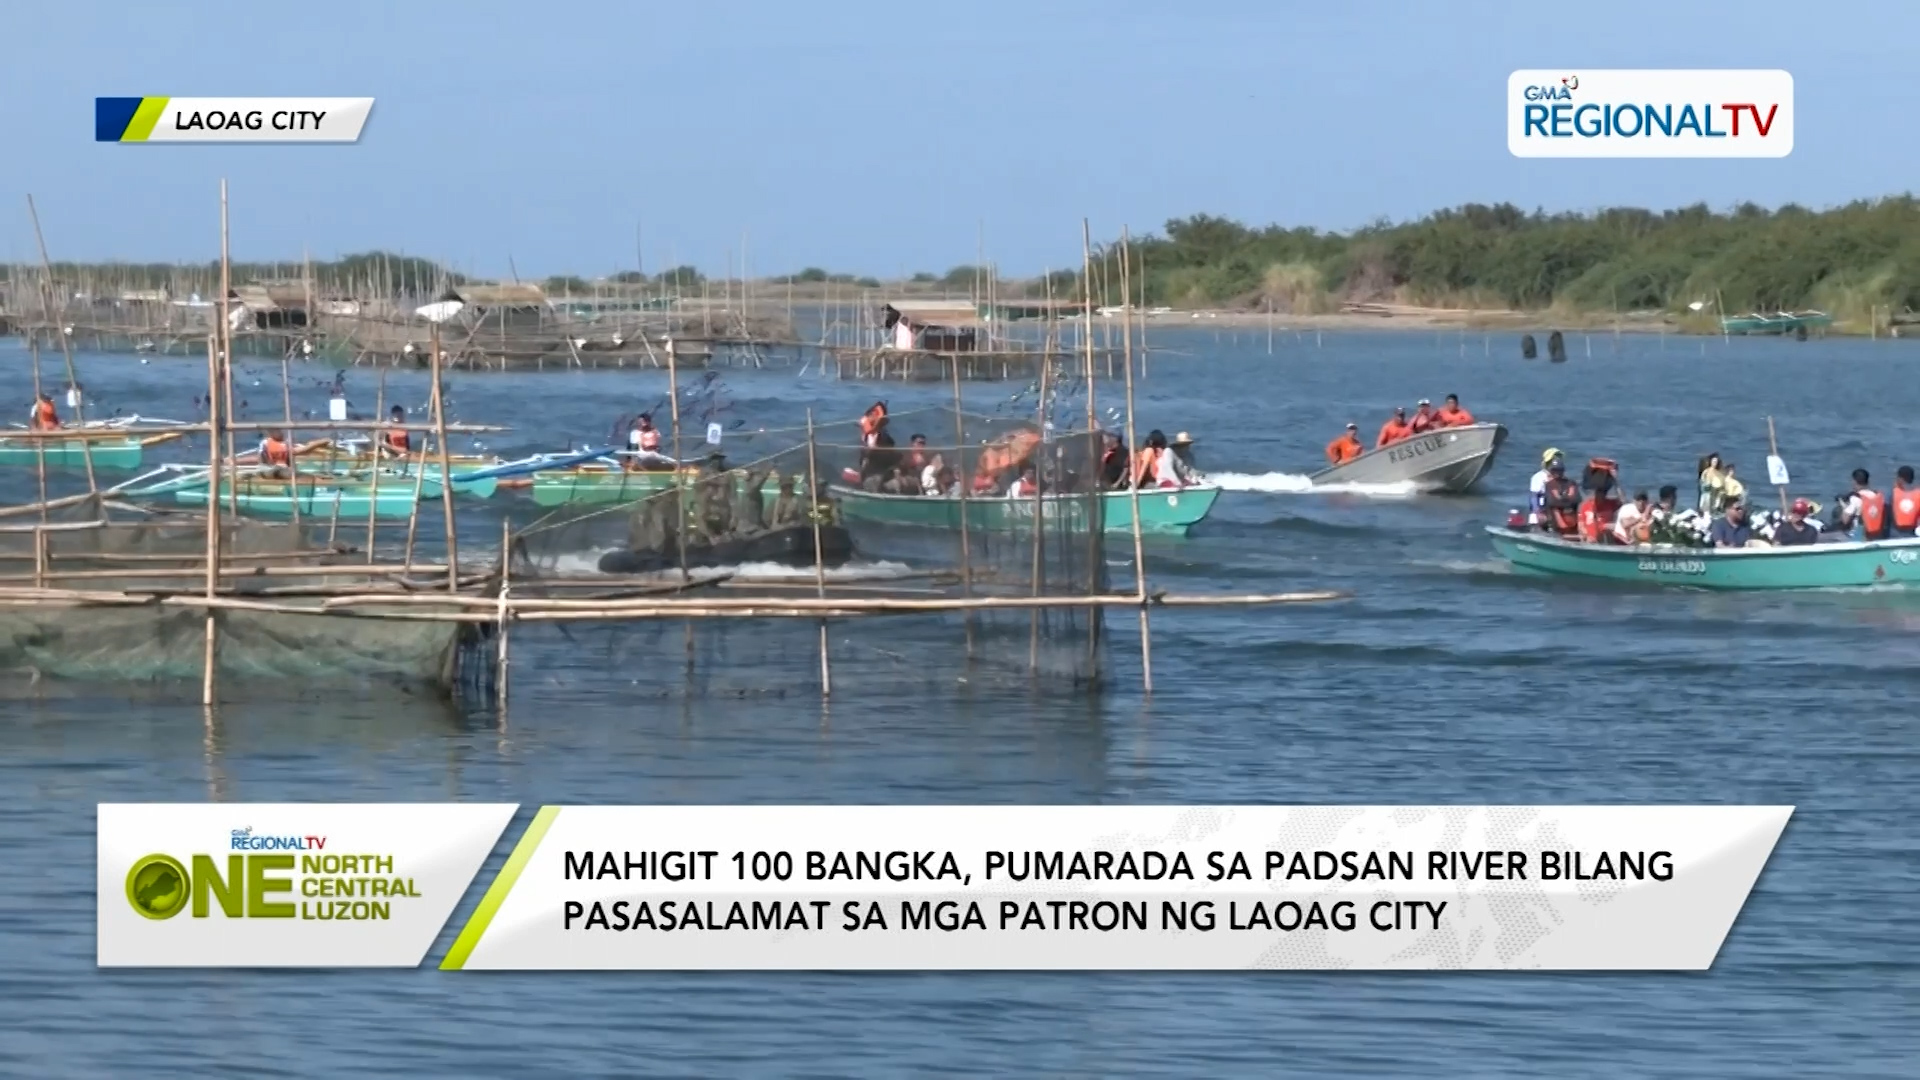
(1597, 514)
(397, 440)
(1873, 514)
(1906, 507)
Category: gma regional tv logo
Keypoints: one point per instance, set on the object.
(1572, 113)
(315, 885)
(268, 120)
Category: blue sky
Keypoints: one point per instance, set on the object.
(884, 138)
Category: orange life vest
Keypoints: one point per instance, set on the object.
(398, 440)
(1596, 517)
(1344, 449)
(1453, 418)
(1421, 422)
(870, 424)
(275, 452)
(1906, 507)
(1873, 514)
(1392, 432)
(44, 416)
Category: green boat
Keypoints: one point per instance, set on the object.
(1162, 510)
(404, 477)
(272, 498)
(599, 484)
(109, 452)
(1825, 565)
(1782, 322)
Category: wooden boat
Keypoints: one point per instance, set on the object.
(1448, 461)
(1825, 565)
(110, 449)
(404, 474)
(316, 497)
(793, 546)
(1162, 510)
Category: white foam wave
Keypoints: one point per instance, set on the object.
(1279, 483)
(588, 562)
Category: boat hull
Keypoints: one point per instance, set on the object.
(1162, 510)
(115, 453)
(787, 547)
(348, 504)
(562, 488)
(1813, 566)
(1445, 462)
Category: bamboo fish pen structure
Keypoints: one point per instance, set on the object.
(91, 586)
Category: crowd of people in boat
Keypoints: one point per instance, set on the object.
(1594, 511)
(1006, 467)
(1399, 427)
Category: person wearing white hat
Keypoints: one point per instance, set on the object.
(1183, 467)
(1423, 418)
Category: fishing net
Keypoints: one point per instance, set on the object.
(102, 547)
(960, 506)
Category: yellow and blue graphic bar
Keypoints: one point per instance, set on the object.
(229, 120)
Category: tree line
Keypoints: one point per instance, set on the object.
(1846, 261)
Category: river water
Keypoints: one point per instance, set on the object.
(1443, 680)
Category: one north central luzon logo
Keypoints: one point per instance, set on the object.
(1561, 111)
(269, 882)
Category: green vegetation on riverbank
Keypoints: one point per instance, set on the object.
(1858, 262)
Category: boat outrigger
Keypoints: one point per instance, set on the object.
(1447, 461)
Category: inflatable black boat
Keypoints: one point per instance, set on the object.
(787, 547)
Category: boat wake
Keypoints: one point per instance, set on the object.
(1279, 483)
(588, 562)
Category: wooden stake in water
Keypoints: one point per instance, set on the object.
(213, 507)
(1133, 492)
(446, 467)
(1773, 449)
(814, 494)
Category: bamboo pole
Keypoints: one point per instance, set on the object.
(679, 462)
(373, 489)
(500, 632)
(39, 448)
(819, 567)
(66, 346)
(965, 477)
(1039, 519)
(446, 468)
(1773, 448)
(213, 509)
(1133, 490)
(270, 425)
(1086, 281)
(226, 351)
(293, 444)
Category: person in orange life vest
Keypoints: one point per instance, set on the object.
(1601, 506)
(1025, 486)
(1346, 447)
(44, 417)
(643, 442)
(395, 441)
(274, 450)
(1395, 429)
(1559, 501)
(1423, 419)
(1451, 414)
(1864, 512)
(1904, 504)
